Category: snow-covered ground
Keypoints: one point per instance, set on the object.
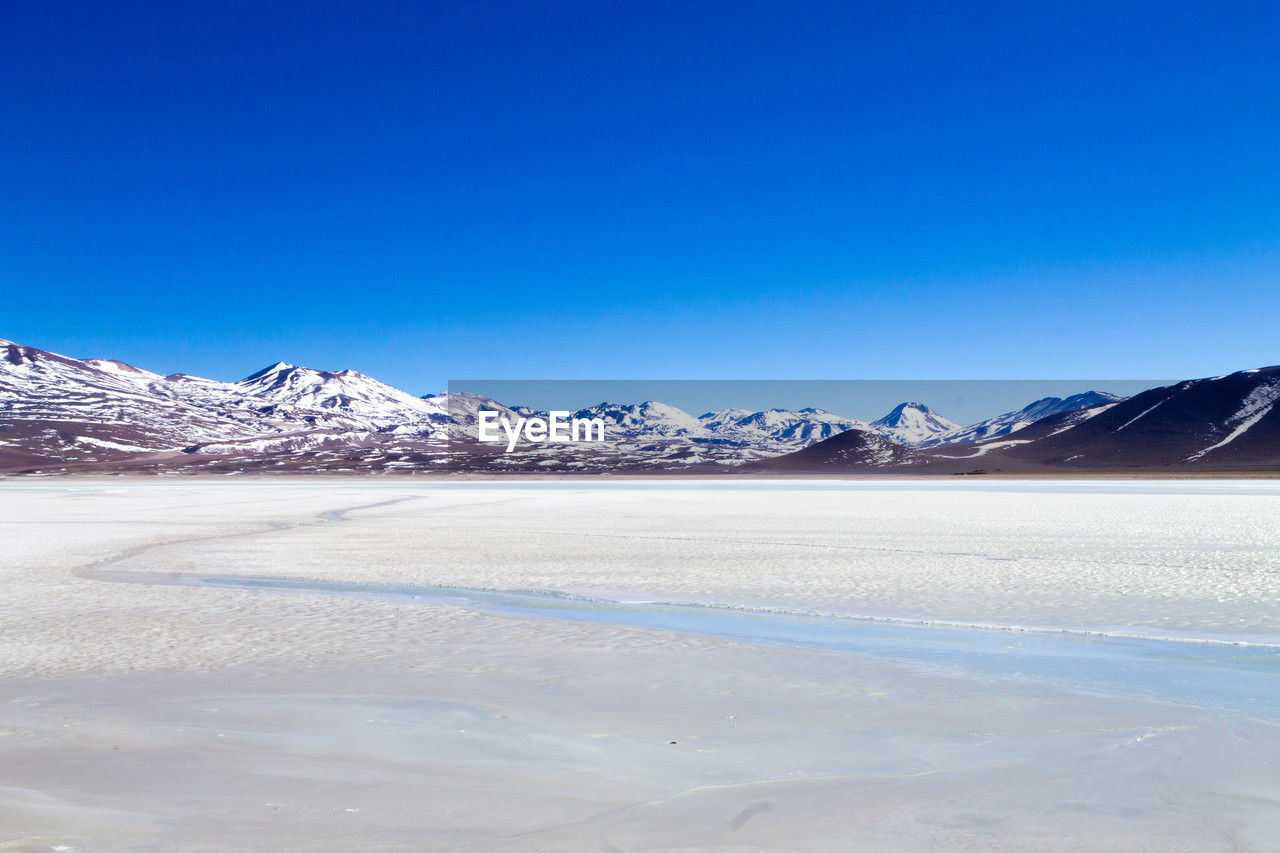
(350, 710)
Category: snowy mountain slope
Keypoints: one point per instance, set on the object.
(855, 449)
(772, 430)
(1229, 421)
(95, 410)
(302, 392)
(779, 428)
(1223, 422)
(1011, 422)
(1044, 427)
(119, 369)
(913, 425)
(61, 407)
(645, 420)
(462, 412)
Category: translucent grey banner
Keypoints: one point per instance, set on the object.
(763, 427)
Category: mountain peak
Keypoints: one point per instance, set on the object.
(270, 370)
(912, 423)
(903, 411)
(913, 413)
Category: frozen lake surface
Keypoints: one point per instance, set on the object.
(890, 664)
(1232, 676)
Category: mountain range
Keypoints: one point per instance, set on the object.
(60, 414)
(1224, 423)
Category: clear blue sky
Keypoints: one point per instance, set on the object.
(423, 191)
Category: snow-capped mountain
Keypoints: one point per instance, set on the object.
(771, 431)
(645, 420)
(302, 391)
(52, 406)
(462, 410)
(1227, 422)
(1011, 422)
(913, 424)
(95, 410)
(779, 427)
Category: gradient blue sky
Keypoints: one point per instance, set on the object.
(649, 189)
